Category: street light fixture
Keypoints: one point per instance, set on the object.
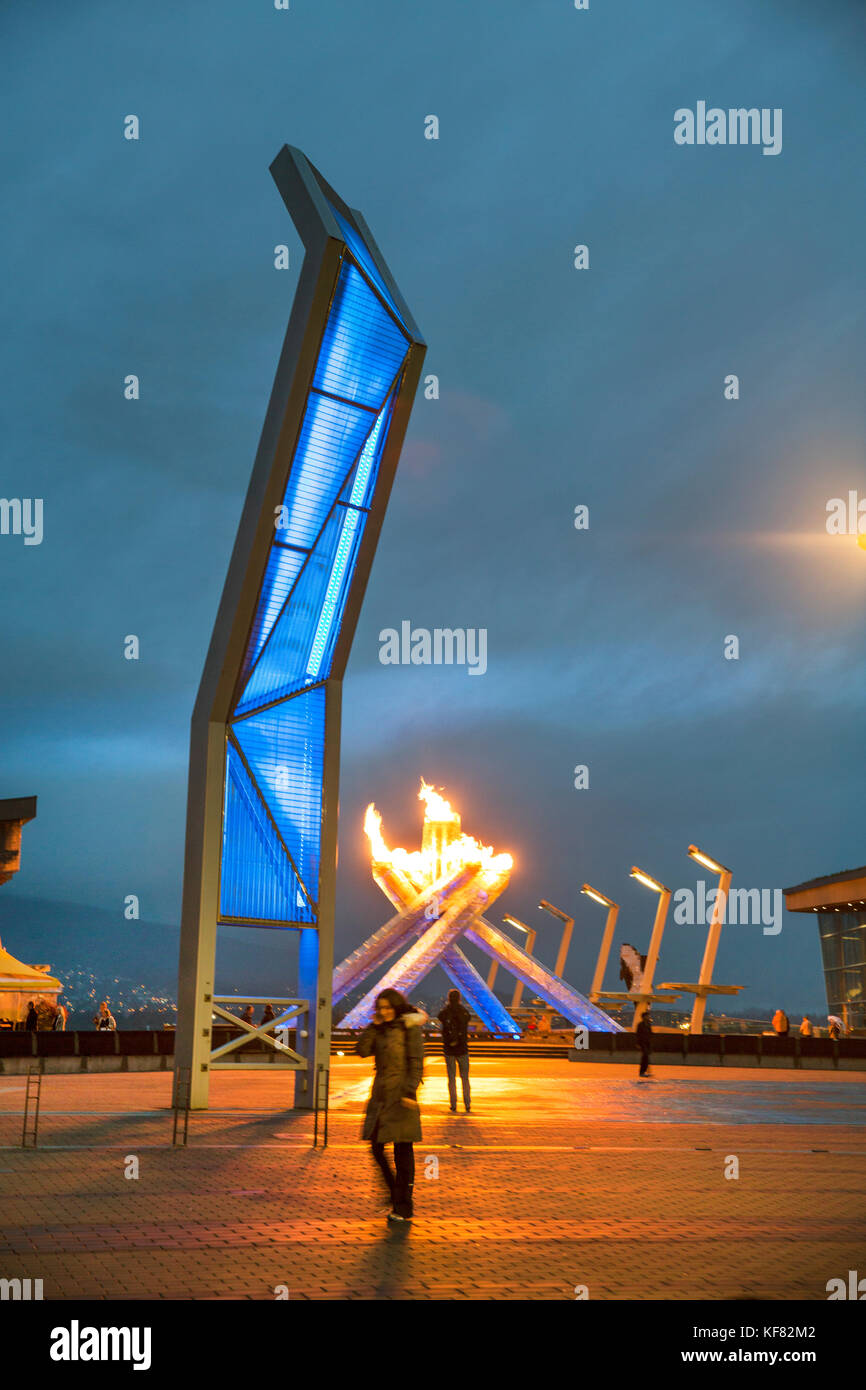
(607, 938)
(704, 986)
(568, 927)
(494, 964)
(707, 862)
(645, 994)
(647, 880)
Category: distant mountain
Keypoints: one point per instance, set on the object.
(72, 935)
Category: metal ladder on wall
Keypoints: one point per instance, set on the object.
(180, 1103)
(32, 1100)
(323, 1085)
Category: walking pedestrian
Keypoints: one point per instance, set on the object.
(268, 1014)
(455, 1044)
(393, 1116)
(61, 1017)
(247, 1015)
(644, 1034)
(32, 1022)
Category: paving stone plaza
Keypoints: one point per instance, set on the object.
(564, 1178)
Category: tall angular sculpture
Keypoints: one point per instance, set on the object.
(261, 836)
(441, 892)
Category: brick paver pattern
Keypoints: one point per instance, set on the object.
(565, 1175)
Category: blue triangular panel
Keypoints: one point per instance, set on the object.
(282, 665)
(362, 255)
(284, 746)
(301, 644)
(283, 568)
(357, 494)
(362, 347)
(256, 879)
(331, 439)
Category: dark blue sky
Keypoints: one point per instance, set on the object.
(558, 387)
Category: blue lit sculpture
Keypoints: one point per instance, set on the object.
(264, 756)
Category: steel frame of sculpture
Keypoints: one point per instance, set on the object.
(261, 837)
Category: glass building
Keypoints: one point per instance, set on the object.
(839, 903)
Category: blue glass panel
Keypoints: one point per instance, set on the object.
(283, 568)
(362, 256)
(284, 746)
(362, 346)
(343, 564)
(300, 648)
(282, 666)
(256, 879)
(332, 436)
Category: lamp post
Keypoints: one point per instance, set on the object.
(494, 965)
(568, 926)
(606, 940)
(705, 985)
(664, 894)
(713, 935)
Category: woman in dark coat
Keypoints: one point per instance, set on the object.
(395, 1042)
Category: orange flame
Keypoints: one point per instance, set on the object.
(373, 830)
(437, 808)
(444, 855)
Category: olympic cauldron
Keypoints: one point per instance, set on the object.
(440, 894)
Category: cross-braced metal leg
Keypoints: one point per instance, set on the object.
(459, 911)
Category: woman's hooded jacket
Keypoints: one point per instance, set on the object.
(398, 1051)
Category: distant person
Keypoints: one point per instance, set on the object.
(805, 1028)
(394, 1041)
(46, 1014)
(644, 1035)
(532, 1024)
(32, 1021)
(544, 1024)
(247, 1015)
(61, 1017)
(781, 1024)
(104, 1021)
(268, 1014)
(834, 1027)
(454, 1018)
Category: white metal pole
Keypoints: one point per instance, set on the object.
(604, 953)
(653, 953)
(712, 946)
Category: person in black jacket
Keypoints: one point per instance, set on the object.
(455, 1043)
(644, 1035)
(32, 1018)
